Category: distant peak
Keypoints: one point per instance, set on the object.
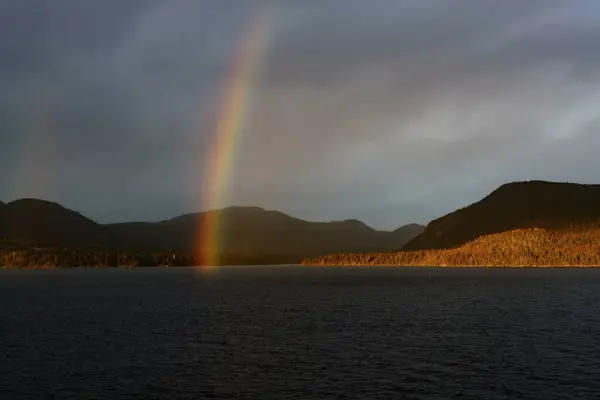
(351, 222)
(233, 212)
(519, 186)
(410, 226)
(32, 201)
(28, 205)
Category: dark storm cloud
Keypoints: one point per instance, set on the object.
(36, 34)
(386, 110)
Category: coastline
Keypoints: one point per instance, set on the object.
(309, 264)
(50, 258)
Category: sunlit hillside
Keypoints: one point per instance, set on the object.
(517, 205)
(523, 247)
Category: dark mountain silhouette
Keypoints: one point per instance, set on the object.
(35, 222)
(253, 230)
(246, 232)
(405, 233)
(517, 205)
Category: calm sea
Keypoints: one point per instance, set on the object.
(300, 333)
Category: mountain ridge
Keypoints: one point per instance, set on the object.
(250, 231)
(527, 223)
(38, 222)
(513, 205)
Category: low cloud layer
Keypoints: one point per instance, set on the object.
(388, 111)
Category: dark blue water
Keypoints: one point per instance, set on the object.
(300, 333)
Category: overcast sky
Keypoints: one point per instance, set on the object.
(389, 111)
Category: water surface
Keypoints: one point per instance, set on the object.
(300, 332)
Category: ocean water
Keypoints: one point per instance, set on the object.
(289, 332)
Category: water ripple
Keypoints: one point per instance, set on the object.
(300, 333)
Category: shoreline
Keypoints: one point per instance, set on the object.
(544, 266)
(449, 266)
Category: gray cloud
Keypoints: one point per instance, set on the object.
(389, 111)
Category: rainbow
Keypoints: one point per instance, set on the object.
(232, 116)
(36, 168)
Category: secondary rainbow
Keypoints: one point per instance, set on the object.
(235, 105)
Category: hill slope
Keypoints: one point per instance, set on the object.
(253, 230)
(522, 247)
(33, 222)
(519, 205)
(406, 233)
(246, 232)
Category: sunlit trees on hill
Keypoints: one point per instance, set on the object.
(525, 247)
